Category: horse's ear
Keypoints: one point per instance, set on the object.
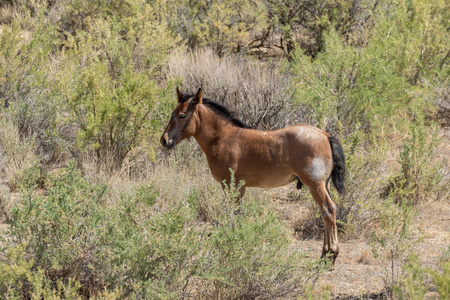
(198, 98)
(180, 96)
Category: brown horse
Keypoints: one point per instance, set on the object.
(264, 159)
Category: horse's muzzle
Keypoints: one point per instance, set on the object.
(167, 142)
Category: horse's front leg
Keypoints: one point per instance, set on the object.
(241, 195)
(239, 201)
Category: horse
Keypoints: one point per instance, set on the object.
(263, 159)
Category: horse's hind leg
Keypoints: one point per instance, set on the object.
(328, 212)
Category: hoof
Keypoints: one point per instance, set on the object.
(330, 254)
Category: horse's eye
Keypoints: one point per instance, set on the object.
(182, 116)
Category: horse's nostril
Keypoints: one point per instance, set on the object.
(163, 141)
(167, 142)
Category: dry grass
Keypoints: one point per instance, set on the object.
(366, 257)
(7, 12)
(260, 94)
(16, 153)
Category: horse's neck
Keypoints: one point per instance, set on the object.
(211, 130)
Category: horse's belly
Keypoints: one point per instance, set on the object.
(266, 175)
(269, 181)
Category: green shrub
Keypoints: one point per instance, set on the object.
(366, 173)
(395, 240)
(27, 69)
(419, 178)
(29, 178)
(442, 280)
(224, 26)
(169, 254)
(349, 89)
(109, 83)
(59, 229)
(372, 97)
(413, 282)
(371, 88)
(250, 257)
(20, 279)
(417, 280)
(95, 87)
(74, 238)
(418, 31)
(152, 253)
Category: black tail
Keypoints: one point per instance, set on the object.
(338, 173)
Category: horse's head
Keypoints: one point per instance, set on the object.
(181, 124)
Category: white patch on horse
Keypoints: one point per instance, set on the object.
(299, 132)
(317, 169)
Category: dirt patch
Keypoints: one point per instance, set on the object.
(357, 274)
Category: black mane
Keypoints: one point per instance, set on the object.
(224, 112)
(220, 110)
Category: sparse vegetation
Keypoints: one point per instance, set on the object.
(95, 208)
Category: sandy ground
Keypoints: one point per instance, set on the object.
(357, 274)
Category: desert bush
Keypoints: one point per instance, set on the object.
(73, 238)
(441, 279)
(78, 15)
(224, 26)
(350, 89)
(367, 172)
(245, 259)
(33, 177)
(364, 88)
(265, 28)
(7, 11)
(419, 179)
(152, 255)
(360, 95)
(418, 30)
(259, 94)
(19, 279)
(26, 80)
(109, 84)
(96, 88)
(413, 283)
(417, 280)
(394, 240)
(303, 23)
(244, 249)
(59, 227)
(16, 154)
